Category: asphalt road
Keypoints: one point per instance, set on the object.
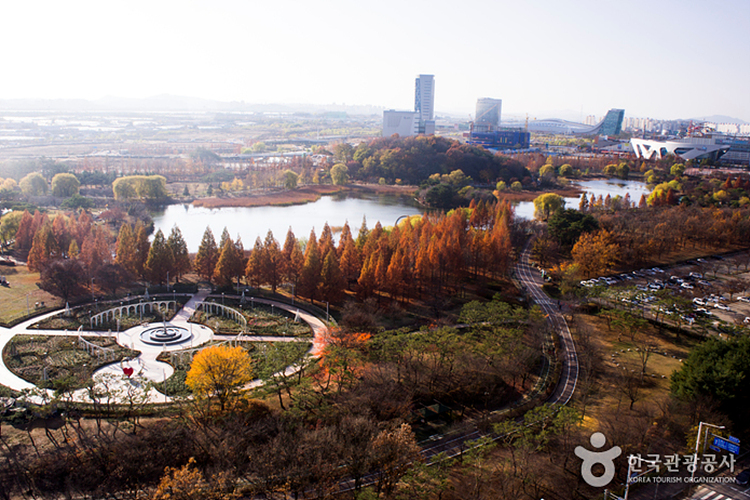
(532, 283)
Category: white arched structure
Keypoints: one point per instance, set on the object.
(686, 149)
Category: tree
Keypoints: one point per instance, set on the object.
(339, 174)
(142, 247)
(219, 372)
(566, 170)
(332, 282)
(566, 226)
(273, 268)
(207, 257)
(677, 170)
(112, 277)
(290, 179)
(595, 253)
(160, 259)
(229, 265)
(9, 226)
(547, 173)
(149, 188)
(310, 275)
(33, 185)
(177, 245)
(547, 204)
(717, 370)
(127, 252)
(64, 278)
(95, 249)
(65, 185)
(42, 249)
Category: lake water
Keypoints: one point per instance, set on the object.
(613, 187)
(251, 222)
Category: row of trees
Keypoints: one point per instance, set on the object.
(433, 252)
(63, 185)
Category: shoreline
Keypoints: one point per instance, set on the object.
(300, 196)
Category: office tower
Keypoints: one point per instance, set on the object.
(487, 117)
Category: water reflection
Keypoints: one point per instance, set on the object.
(253, 222)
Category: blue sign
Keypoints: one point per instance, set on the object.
(727, 445)
(734, 439)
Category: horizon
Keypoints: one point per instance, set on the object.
(584, 57)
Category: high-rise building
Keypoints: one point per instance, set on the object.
(488, 114)
(419, 121)
(424, 103)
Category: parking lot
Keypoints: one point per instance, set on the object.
(706, 291)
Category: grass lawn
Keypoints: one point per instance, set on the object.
(20, 298)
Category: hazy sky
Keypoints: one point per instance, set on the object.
(657, 58)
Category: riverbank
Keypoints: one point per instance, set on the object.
(518, 196)
(300, 196)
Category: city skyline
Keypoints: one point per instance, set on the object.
(666, 60)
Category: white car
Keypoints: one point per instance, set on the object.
(699, 301)
(723, 307)
(687, 286)
(744, 299)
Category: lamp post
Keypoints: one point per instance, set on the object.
(697, 443)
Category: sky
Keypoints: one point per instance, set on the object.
(658, 58)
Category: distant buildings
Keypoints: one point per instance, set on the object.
(691, 148)
(488, 114)
(419, 121)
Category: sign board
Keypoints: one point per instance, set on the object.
(727, 445)
(734, 439)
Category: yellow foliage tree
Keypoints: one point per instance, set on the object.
(595, 253)
(187, 483)
(219, 372)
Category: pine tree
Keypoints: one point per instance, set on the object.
(207, 257)
(180, 254)
(160, 259)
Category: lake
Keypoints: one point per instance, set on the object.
(596, 187)
(252, 222)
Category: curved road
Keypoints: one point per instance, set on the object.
(532, 283)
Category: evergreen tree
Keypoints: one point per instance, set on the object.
(207, 257)
(180, 254)
(273, 268)
(160, 259)
(256, 263)
(95, 250)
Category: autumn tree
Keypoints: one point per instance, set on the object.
(547, 204)
(95, 250)
(33, 184)
(42, 249)
(142, 247)
(293, 259)
(126, 254)
(273, 264)
(310, 274)
(64, 278)
(230, 264)
(160, 259)
(177, 245)
(339, 174)
(65, 185)
(332, 282)
(219, 372)
(595, 253)
(207, 257)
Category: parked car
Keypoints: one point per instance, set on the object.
(699, 301)
(721, 306)
(687, 286)
(744, 299)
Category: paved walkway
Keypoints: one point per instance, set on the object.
(146, 366)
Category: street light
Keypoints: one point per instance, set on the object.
(697, 443)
